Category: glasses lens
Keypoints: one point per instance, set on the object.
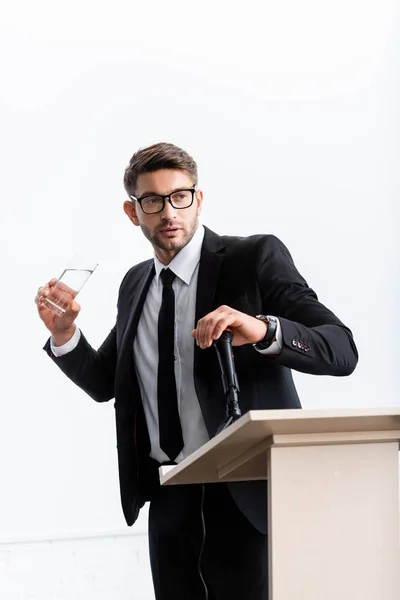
(181, 199)
(152, 204)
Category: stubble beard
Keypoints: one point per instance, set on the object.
(168, 245)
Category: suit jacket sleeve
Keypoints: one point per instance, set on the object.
(92, 370)
(314, 340)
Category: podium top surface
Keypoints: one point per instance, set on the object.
(256, 427)
(324, 421)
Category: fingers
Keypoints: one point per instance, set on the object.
(210, 327)
(62, 295)
(41, 295)
(74, 309)
(44, 291)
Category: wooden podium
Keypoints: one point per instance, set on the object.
(333, 500)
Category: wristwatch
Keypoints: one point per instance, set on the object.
(272, 323)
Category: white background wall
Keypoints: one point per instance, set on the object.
(292, 103)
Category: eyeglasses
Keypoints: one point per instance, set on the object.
(155, 203)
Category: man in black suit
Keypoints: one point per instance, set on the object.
(159, 365)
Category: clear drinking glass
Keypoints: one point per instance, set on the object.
(71, 281)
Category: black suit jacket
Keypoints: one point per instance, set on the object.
(255, 275)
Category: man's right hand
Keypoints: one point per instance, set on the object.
(61, 328)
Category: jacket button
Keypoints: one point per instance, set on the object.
(295, 342)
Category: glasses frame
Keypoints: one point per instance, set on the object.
(164, 197)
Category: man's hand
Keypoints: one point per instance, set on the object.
(246, 329)
(62, 328)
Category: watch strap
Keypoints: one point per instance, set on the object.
(272, 324)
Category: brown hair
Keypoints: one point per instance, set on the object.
(156, 157)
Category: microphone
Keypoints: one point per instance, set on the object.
(226, 360)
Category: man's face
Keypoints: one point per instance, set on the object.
(171, 229)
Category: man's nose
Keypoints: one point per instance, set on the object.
(168, 212)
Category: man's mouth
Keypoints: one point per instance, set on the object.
(169, 230)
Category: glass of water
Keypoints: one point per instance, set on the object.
(71, 281)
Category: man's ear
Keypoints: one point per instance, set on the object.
(199, 201)
(130, 210)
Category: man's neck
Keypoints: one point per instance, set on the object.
(166, 256)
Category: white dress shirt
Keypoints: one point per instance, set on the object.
(185, 265)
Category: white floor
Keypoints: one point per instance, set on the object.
(97, 568)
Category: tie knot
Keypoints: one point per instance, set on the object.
(167, 276)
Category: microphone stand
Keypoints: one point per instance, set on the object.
(229, 379)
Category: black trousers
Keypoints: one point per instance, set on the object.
(233, 563)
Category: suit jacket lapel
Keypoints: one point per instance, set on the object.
(133, 303)
(211, 259)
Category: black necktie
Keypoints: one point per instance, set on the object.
(171, 441)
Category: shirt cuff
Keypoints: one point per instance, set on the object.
(276, 346)
(68, 347)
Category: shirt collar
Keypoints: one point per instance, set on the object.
(185, 262)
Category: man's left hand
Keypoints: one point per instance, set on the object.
(246, 329)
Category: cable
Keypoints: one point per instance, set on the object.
(203, 527)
